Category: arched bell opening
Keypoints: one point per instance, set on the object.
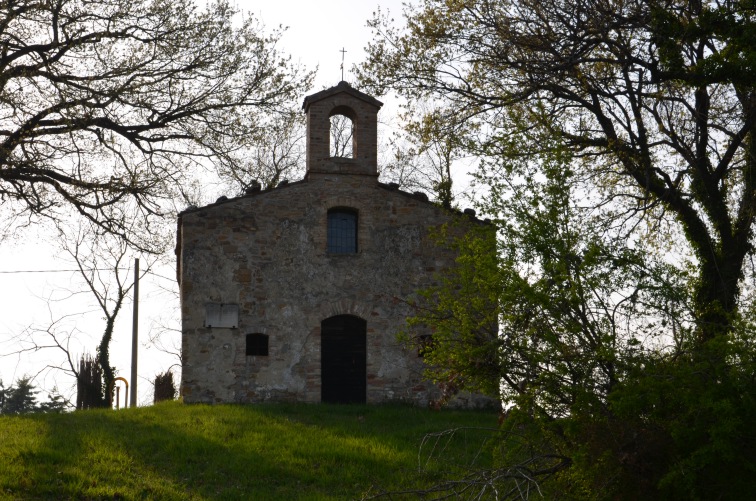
(342, 136)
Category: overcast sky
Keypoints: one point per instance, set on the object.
(318, 30)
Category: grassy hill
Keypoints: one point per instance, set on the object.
(265, 452)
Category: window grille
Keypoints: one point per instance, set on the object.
(342, 231)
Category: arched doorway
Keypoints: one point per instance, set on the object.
(343, 360)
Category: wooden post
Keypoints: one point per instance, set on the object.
(135, 336)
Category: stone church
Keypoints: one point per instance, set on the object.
(297, 293)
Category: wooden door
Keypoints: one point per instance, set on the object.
(343, 360)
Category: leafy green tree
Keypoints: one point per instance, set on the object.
(55, 403)
(22, 399)
(19, 399)
(656, 97)
(109, 105)
(3, 391)
(577, 313)
(618, 147)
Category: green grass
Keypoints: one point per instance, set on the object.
(265, 452)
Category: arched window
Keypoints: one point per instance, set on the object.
(342, 136)
(257, 345)
(342, 231)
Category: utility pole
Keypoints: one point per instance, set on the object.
(135, 336)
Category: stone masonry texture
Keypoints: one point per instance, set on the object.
(267, 253)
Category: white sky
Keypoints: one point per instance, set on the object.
(318, 30)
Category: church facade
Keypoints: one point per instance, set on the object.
(297, 293)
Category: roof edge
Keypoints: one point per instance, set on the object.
(339, 88)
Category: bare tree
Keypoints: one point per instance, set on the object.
(471, 464)
(274, 154)
(426, 151)
(109, 103)
(103, 265)
(342, 133)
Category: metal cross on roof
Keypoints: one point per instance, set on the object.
(343, 51)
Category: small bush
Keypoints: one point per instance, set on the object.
(165, 389)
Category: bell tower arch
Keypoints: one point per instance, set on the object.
(358, 107)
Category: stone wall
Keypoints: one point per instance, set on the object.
(264, 256)
(266, 252)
